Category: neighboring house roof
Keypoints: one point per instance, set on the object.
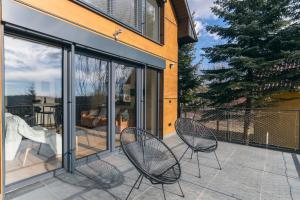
(186, 28)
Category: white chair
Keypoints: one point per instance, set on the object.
(16, 128)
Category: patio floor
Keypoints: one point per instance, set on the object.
(248, 173)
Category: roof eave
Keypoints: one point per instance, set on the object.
(186, 29)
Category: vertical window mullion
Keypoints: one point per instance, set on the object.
(109, 7)
(145, 18)
(136, 10)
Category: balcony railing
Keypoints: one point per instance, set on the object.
(271, 128)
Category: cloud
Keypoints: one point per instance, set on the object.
(201, 30)
(202, 8)
(28, 63)
(199, 26)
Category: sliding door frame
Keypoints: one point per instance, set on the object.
(110, 90)
(157, 110)
(69, 49)
(138, 99)
(65, 49)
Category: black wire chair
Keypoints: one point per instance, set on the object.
(197, 137)
(152, 158)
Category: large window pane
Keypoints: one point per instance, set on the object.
(151, 101)
(152, 19)
(91, 105)
(33, 108)
(125, 10)
(98, 4)
(125, 94)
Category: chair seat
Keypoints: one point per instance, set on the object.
(150, 156)
(205, 147)
(157, 163)
(202, 144)
(170, 175)
(165, 169)
(198, 137)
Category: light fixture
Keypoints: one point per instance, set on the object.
(172, 65)
(117, 33)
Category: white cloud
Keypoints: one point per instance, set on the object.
(202, 8)
(29, 63)
(199, 26)
(201, 30)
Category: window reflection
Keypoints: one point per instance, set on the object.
(33, 108)
(152, 19)
(143, 15)
(151, 101)
(91, 105)
(125, 94)
(125, 10)
(99, 4)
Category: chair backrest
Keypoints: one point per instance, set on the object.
(191, 131)
(147, 153)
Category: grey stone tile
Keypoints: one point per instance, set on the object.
(40, 193)
(248, 173)
(210, 195)
(275, 187)
(295, 188)
(63, 190)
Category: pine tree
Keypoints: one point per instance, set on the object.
(31, 93)
(188, 78)
(262, 50)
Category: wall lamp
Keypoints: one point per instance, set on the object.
(117, 33)
(172, 65)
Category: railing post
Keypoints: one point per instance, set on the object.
(227, 125)
(298, 149)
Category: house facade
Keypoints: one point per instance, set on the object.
(75, 73)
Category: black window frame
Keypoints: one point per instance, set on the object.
(140, 21)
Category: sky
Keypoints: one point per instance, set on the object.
(204, 17)
(29, 64)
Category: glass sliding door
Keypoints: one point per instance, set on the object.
(125, 97)
(91, 93)
(151, 92)
(33, 108)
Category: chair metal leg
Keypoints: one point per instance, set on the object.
(138, 187)
(26, 155)
(163, 189)
(39, 150)
(218, 160)
(182, 194)
(192, 154)
(183, 154)
(87, 139)
(198, 164)
(134, 186)
(76, 141)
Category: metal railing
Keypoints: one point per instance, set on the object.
(271, 128)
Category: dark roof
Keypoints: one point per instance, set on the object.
(186, 29)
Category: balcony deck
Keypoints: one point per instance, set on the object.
(248, 173)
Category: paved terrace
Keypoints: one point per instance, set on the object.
(248, 173)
